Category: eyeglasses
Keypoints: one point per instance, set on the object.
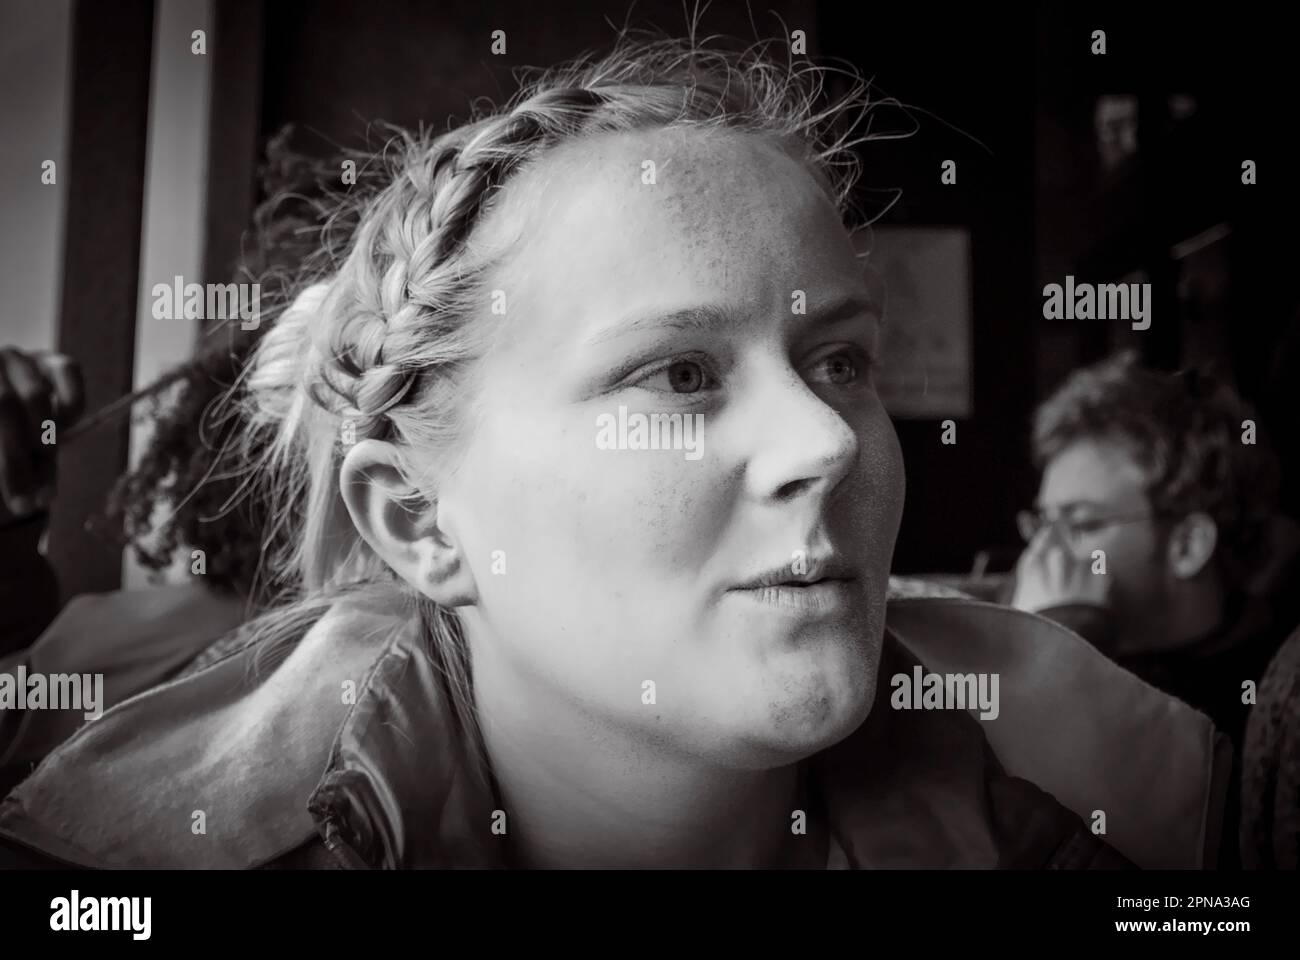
(1030, 522)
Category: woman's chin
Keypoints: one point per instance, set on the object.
(799, 720)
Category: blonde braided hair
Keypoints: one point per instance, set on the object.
(385, 345)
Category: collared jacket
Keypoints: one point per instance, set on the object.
(229, 766)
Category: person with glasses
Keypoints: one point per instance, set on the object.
(1151, 529)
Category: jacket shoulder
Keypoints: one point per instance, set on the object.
(1090, 733)
(924, 788)
(244, 743)
(312, 854)
(1034, 831)
(18, 856)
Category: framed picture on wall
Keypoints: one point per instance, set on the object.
(923, 277)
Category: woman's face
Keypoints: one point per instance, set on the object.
(721, 291)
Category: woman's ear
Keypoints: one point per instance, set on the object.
(401, 529)
(1191, 545)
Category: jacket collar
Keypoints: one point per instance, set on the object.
(404, 786)
(271, 761)
(230, 754)
(906, 788)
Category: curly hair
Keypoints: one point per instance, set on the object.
(1185, 431)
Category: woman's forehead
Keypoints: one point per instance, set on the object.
(730, 230)
(685, 196)
(686, 177)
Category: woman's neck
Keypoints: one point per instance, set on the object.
(578, 794)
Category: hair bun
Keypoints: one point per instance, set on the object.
(278, 370)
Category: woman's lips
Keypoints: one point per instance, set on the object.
(826, 596)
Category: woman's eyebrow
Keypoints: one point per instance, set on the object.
(707, 317)
(688, 318)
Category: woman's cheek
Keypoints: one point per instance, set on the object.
(516, 510)
(581, 517)
(885, 467)
(680, 512)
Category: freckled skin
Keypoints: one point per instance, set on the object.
(582, 525)
(619, 560)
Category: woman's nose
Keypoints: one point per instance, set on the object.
(801, 444)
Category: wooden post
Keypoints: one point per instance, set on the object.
(112, 45)
(233, 130)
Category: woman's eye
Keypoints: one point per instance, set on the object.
(686, 376)
(683, 376)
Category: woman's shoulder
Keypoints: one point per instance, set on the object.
(120, 644)
(924, 788)
(1141, 769)
(231, 754)
(249, 767)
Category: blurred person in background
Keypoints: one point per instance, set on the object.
(1155, 534)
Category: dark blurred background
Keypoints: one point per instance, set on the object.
(1126, 165)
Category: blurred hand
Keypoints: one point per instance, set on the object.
(1049, 574)
(35, 389)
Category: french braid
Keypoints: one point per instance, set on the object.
(382, 344)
